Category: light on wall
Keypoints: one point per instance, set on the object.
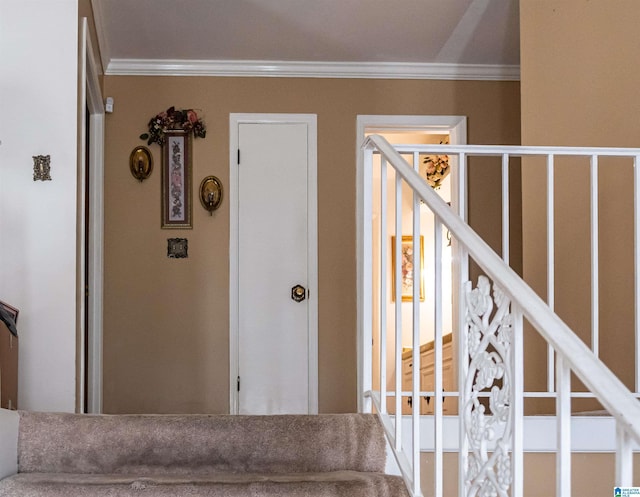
(141, 163)
(211, 193)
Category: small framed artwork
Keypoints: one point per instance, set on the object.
(406, 267)
(176, 180)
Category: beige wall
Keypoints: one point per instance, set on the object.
(166, 321)
(85, 10)
(579, 87)
(592, 475)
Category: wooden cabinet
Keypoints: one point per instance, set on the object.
(8, 369)
(427, 379)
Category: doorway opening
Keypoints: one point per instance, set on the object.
(413, 130)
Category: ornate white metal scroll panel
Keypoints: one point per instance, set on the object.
(486, 411)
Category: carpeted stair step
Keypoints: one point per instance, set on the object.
(200, 455)
(331, 484)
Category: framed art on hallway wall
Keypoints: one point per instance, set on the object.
(176, 180)
(406, 268)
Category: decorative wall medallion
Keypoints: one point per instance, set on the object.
(211, 193)
(42, 167)
(141, 163)
(177, 248)
(488, 423)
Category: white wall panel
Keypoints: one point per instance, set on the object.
(38, 105)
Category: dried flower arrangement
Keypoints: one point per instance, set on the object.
(438, 168)
(173, 118)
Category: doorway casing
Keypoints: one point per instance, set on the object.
(91, 99)
(456, 128)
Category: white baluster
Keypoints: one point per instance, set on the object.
(636, 252)
(398, 323)
(517, 404)
(367, 314)
(461, 275)
(595, 277)
(384, 265)
(563, 417)
(550, 264)
(505, 208)
(437, 366)
(415, 381)
(624, 458)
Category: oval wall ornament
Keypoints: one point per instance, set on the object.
(211, 193)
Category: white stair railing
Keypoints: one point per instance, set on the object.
(489, 329)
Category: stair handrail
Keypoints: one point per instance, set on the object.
(607, 388)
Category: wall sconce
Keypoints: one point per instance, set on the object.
(211, 193)
(141, 163)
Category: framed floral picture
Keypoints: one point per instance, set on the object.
(176, 180)
(406, 267)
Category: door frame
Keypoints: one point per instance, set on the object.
(456, 127)
(90, 98)
(235, 119)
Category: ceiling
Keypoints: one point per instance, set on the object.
(273, 36)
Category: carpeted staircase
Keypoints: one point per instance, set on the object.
(197, 455)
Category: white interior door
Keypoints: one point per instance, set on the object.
(276, 251)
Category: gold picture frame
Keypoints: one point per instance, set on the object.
(176, 180)
(406, 266)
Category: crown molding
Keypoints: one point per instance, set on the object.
(297, 69)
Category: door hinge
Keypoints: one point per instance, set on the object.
(238, 383)
(238, 156)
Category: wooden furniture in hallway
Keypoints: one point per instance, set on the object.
(427, 362)
(8, 369)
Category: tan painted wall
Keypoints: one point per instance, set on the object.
(85, 10)
(166, 321)
(592, 475)
(579, 87)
